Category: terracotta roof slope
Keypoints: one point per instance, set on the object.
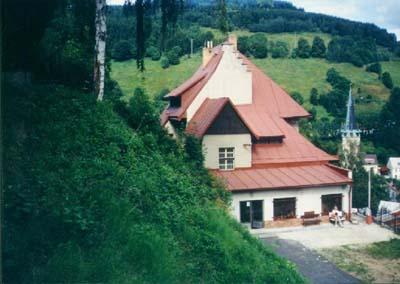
(295, 148)
(281, 177)
(261, 123)
(205, 115)
(268, 94)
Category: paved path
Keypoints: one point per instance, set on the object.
(314, 267)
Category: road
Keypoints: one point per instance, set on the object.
(314, 267)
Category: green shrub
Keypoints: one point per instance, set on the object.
(297, 97)
(173, 55)
(375, 68)
(244, 45)
(318, 48)
(153, 53)
(314, 96)
(280, 49)
(122, 51)
(164, 62)
(303, 48)
(387, 80)
(258, 45)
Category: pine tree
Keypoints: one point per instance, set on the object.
(140, 50)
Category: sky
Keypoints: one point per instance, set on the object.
(383, 13)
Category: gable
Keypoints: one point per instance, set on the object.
(227, 122)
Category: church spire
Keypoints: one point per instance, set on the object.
(351, 115)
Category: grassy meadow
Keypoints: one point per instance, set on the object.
(298, 75)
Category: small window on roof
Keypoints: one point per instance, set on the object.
(268, 140)
(226, 158)
(175, 101)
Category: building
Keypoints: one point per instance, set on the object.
(248, 126)
(393, 165)
(370, 163)
(350, 133)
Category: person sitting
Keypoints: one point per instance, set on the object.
(337, 216)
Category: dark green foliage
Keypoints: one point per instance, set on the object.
(164, 62)
(173, 55)
(360, 189)
(153, 53)
(314, 96)
(223, 24)
(194, 150)
(375, 68)
(303, 48)
(89, 199)
(335, 100)
(385, 250)
(313, 113)
(297, 97)
(390, 123)
(387, 80)
(280, 49)
(258, 45)
(244, 45)
(122, 51)
(318, 48)
(354, 50)
(140, 35)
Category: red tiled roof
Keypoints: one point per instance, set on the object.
(205, 116)
(259, 121)
(295, 148)
(281, 177)
(189, 89)
(267, 94)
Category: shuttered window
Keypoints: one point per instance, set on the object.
(226, 158)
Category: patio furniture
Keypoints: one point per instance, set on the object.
(310, 218)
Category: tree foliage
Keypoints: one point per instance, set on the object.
(303, 48)
(387, 80)
(122, 51)
(318, 48)
(280, 49)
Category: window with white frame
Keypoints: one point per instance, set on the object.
(226, 158)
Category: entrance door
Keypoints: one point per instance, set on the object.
(251, 211)
(329, 201)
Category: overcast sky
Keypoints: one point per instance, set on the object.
(383, 13)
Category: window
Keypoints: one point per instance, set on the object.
(284, 208)
(226, 158)
(329, 201)
(251, 211)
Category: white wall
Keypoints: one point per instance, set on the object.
(308, 199)
(171, 129)
(230, 79)
(241, 143)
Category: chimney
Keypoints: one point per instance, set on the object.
(207, 52)
(232, 39)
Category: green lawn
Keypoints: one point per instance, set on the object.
(393, 67)
(154, 78)
(292, 74)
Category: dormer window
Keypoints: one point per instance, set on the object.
(226, 158)
(175, 101)
(268, 140)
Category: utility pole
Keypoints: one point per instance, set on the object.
(369, 189)
(191, 47)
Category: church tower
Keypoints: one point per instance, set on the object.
(350, 133)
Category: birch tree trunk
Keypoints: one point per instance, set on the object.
(100, 48)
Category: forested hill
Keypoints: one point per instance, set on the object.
(282, 16)
(96, 191)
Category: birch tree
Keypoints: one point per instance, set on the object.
(100, 48)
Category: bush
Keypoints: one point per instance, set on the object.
(164, 62)
(303, 48)
(387, 80)
(318, 48)
(244, 45)
(297, 97)
(258, 45)
(280, 49)
(153, 53)
(375, 68)
(122, 51)
(314, 96)
(173, 55)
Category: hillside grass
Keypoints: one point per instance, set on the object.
(154, 78)
(300, 75)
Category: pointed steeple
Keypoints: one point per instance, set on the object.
(351, 115)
